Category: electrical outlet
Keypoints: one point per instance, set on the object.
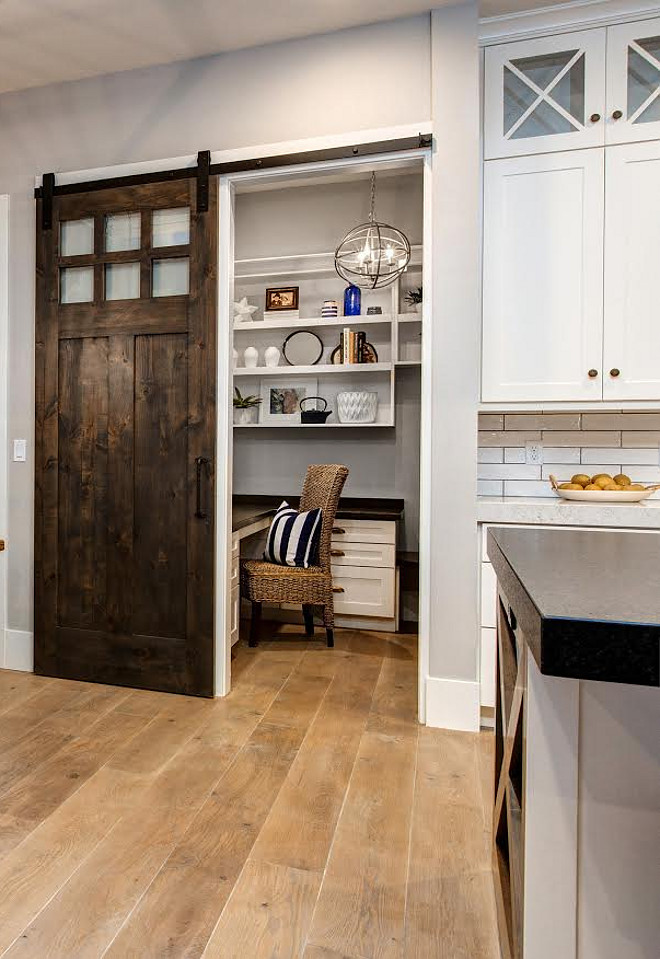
(533, 454)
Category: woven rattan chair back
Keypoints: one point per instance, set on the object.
(322, 488)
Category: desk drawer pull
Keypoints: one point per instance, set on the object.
(338, 589)
(337, 530)
(337, 552)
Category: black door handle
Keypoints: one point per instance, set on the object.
(202, 464)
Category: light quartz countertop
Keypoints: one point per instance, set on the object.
(552, 511)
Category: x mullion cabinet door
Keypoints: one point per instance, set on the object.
(633, 82)
(545, 94)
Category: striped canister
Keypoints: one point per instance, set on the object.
(330, 309)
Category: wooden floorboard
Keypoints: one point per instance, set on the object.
(305, 816)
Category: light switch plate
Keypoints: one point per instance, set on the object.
(20, 451)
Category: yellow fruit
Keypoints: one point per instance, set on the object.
(635, 486)
(603, 480)
(575, 486)
(592, 486)
(622, 479)
(580, 478)
(613, 487)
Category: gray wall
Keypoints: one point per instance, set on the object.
(382, 462)
(265, 95)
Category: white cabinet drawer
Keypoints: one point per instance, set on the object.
(364, 554)
(488, 596)
(487, 666)
(363, 531)
(366, 591)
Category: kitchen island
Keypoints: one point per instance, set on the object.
(577, 799)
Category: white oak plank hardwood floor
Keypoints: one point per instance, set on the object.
(305, 816)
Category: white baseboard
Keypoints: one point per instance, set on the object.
(452, 704)
(18, 650)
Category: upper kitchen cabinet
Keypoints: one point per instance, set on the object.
(633, 82)
(631, 365)
(545, 94)
(543, 278)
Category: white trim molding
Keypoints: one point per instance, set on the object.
(563, 18)
(18, 652)
(453, 704)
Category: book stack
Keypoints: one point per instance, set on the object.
(281, 314)
(351, 346)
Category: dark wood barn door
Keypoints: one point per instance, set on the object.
(125, 438)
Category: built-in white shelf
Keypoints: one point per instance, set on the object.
(409, 317)
(307, 426)
(320, 369)
(313, 322)
(408, 363)
(298, 264)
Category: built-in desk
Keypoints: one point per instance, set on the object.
(364, 567)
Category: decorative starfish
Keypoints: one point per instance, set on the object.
(243, 312)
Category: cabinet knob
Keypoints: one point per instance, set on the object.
(617, 115)
(593, 374)
(615, 372)
(595, 117)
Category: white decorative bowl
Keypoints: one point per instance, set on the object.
(359, 406)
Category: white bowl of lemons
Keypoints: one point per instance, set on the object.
(602, 488)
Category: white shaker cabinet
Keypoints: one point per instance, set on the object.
(631, 366)
(633, 82)
(545, 94)
(543, 278)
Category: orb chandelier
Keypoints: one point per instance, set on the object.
(373, 254)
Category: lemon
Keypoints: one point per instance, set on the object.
(581, 478)
(622, 479)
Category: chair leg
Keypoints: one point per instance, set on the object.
(329, 636)
(255, 623)
(308, 616)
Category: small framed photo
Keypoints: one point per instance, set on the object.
(281, 398)
(282, 298)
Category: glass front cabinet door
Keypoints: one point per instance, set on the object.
(633, 82)
(545, 95)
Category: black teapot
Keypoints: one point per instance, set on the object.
(314, 416)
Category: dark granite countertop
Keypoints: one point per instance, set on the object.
(247, 509)
(588, 602)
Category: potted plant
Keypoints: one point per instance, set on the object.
(245, 408)
(414, 298)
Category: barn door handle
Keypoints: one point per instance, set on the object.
(201, 464)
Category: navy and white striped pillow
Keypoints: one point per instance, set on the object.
(293, 538)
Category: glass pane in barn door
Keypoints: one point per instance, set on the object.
(545, 94)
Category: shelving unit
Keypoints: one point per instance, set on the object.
(395, 335)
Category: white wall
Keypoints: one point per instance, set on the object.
(285, 91)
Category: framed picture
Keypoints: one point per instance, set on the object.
(282, 298)
(281, 398)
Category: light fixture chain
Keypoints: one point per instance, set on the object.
(373, 197)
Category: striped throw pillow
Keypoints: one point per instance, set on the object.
(293, 538)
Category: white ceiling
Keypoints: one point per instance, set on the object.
(48, 41)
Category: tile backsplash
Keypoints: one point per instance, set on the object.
(599, 442)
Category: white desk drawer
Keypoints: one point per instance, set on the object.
(381, 555)
(363, 531)
(235, 614)
(366, 591)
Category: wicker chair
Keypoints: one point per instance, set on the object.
(263, 582)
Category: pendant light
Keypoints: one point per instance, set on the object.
(373, 254)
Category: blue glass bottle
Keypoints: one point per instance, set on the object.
(352, 300)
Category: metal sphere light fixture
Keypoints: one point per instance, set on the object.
(373, 254)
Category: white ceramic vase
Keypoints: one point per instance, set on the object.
(251, 357)
(358, 406)
(272, 356)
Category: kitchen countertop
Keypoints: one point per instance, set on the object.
(588, 602)
(248, 509)
(554, 511)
